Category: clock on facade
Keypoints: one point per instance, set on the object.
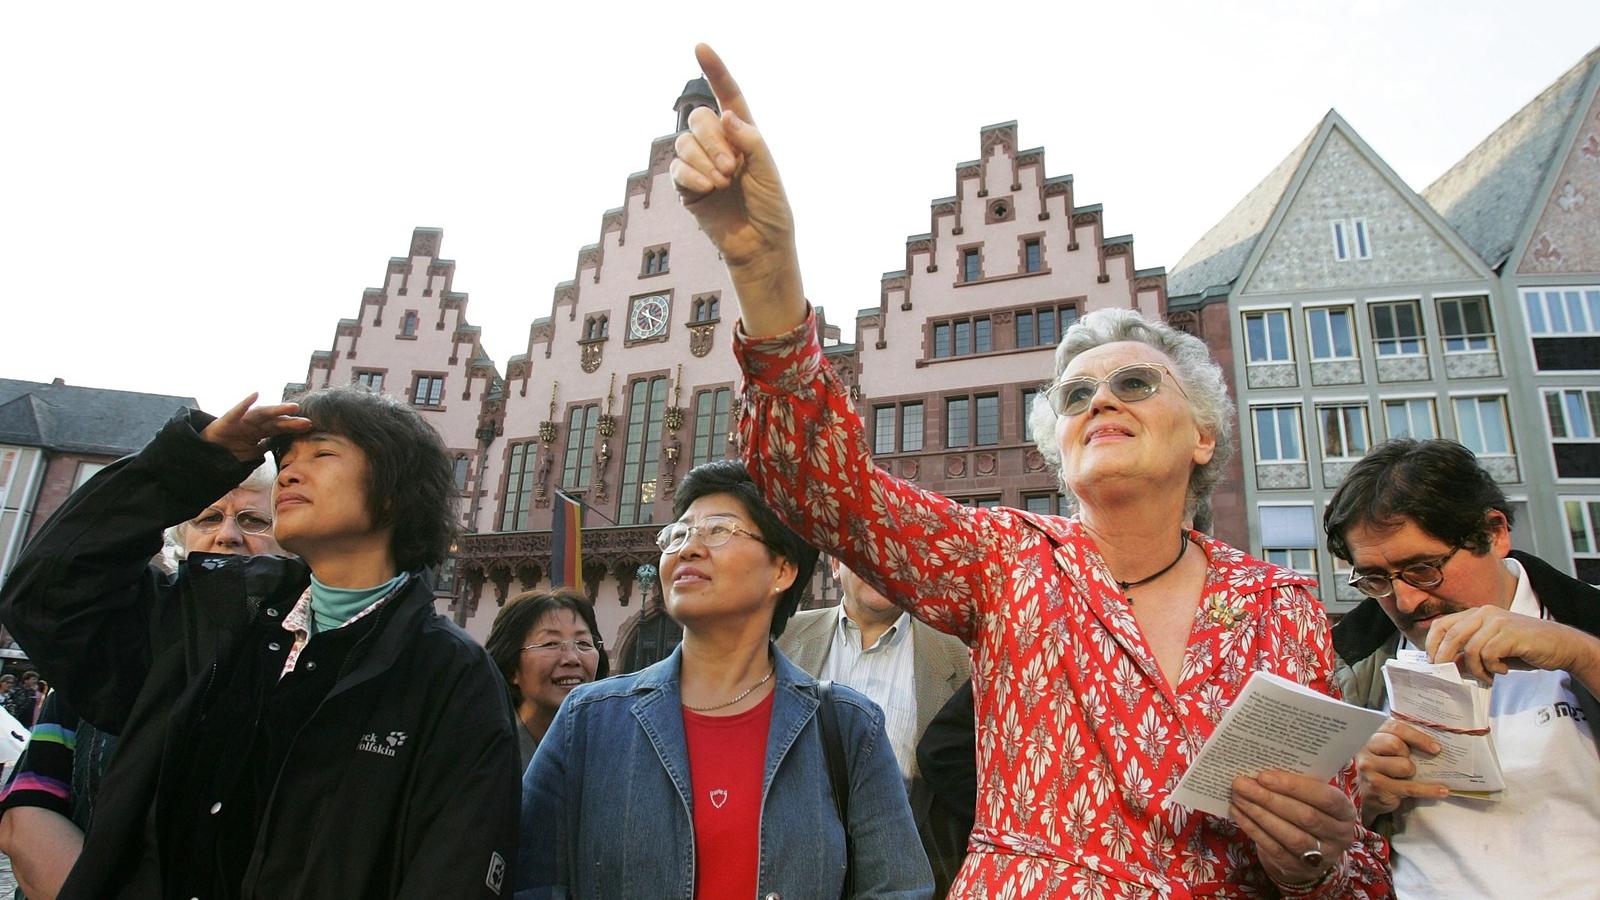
(649, 317)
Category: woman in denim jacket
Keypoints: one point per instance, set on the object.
(704, 775)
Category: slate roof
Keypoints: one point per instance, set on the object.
(1218, 257)
(71, 419)
(1489, 195)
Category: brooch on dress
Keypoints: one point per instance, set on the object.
(1222, 612)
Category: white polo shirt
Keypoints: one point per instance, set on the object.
(1542, 838)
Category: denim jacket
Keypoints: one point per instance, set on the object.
(606, 800)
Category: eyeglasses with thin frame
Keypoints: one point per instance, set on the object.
(581, 647)
(714, 531)
(1424, 575)
(250, 521)
(1130, 384)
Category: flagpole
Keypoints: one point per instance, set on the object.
(579, 501)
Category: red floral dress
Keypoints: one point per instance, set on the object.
(1080, 736)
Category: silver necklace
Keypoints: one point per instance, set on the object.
(747, 691)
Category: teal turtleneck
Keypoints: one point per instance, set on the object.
(331, 607)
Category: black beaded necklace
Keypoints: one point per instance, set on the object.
(1183, 547)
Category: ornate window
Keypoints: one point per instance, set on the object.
(710, 425)
(655, 260)
(647, 401)
(519, 486)
(427, 390)
(576, 471)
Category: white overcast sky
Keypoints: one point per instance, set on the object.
(194, 194)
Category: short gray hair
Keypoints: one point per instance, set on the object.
(1192, 366)
(173, 548)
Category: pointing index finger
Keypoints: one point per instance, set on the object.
(729, 97)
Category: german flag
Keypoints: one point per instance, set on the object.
(566, 542)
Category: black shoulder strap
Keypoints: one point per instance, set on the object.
(838, 773)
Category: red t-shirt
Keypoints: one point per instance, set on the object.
(727, 755)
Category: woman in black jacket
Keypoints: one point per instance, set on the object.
(290, 728)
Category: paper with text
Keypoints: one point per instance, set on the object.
(1436, 699)
(1274, 723)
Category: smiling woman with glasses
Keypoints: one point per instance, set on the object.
(545, 643)
(711, 765)
(1119, 633)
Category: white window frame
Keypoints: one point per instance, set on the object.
(1488, 337)
(1266, 330)
(1591, 525)
(1362, 236)
(1344, 435)
(1505, 421)
(1300, 432)
(1350, 317)
(1591, 422)
(1433, 416)
(1341, 240)
(1588, 310)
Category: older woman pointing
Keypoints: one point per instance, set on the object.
(1106, 645)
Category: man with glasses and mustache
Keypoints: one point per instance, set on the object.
(1428, 534)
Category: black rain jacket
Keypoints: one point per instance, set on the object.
(402, 783)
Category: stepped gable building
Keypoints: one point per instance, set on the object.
(963, 336)
(1528, 200)
(1349, 312)
(53, 438)
(629, 383)
(626, 386)
(411, 339)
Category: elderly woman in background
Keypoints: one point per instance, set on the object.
(545, 643)
(705, 775)
(49, 800)
(1107, 645)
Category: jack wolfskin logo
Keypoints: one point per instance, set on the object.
(497, 872)
(385, 746)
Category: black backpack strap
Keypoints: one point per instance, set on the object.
(838, 774)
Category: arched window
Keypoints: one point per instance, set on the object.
(408, 324)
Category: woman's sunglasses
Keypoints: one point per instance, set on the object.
(1130, 384)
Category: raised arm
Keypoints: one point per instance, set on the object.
(83, 599)
(726, 176)
(800, 437)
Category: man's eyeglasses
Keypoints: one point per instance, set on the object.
(714, 531)
(1130, 384)
(1422, 575)
(583, 648)
(250, 521)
